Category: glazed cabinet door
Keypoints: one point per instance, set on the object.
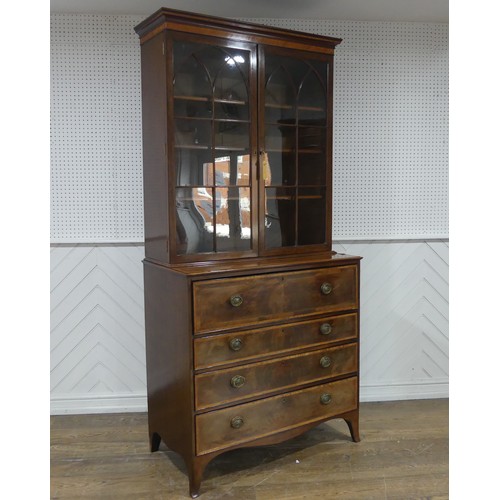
(295, 150)
(212, 133)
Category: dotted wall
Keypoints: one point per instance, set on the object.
(390, 128)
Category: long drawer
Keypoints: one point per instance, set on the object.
(224, 386)
(246, 345)
(237, 302)
(223, 428)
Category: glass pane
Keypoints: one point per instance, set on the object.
(194, 220)
(194, 167)
(312, 170)
(190, 107)
(280, 91)
(231, 135)
(280, 139)
(191, 78)
(312, 156)
(312, 99)
(212, 148)
(231, 85)
(311, 216)
(233, 224)
(279, 169)
(280, 158)
(280, 217)
(232, 169)
(193, 134)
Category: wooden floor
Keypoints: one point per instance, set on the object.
(403, 454)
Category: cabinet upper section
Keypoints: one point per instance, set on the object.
(237, 122)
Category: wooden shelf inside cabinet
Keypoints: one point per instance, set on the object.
(300, 151)
(236, 102)
(229, 267)
(300, 108)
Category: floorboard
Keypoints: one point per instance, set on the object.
(403, 454)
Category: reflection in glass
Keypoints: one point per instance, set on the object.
(231, 86)
(232, 219)
(195, 134)
(191, 78)
(311, 216)
(279, 169)
(312, 155)
(312, 99)
(194, 220)
(312, 170)
(294, 163)
(232, 169)
(212, 148)
(189, 107)
(280, 217)
(231, 135)
(194, 167)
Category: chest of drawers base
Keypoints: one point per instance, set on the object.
(250, 355)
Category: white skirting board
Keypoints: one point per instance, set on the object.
(97, 334)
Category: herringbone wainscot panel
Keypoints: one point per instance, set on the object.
(404, 318)
(97, 323)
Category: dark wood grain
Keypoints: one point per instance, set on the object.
(210, 25)
(216, 350)
(169, 359)
(279, 413)
(214, 388)
(154, 130)
(271, 297)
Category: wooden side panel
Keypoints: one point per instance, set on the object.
(215, 388)
(262, 418)
(273, 297)
(169, 358)
(154, 128)
(217, 349)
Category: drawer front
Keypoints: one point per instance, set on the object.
(223, 428)
(236, 302)
(219, 349)
(224, 386)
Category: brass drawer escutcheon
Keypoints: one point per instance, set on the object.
(237, 422)
(325, 361)
(325, 399)
(238, 381)
(325, 329)
(235, 344)
(236, 300)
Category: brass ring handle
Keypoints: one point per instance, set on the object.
(236, 300)
(235, 344)
(237, 422)
(325, 329)
(326, 288)
(238, 381)
(325, 361)
(325, 399)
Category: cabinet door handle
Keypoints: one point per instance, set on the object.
(237, 422)
(325, 399)
(238, 381)
(236, 300)
(325, 329)
(235, 344)
(326, 288)
(325, 361)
